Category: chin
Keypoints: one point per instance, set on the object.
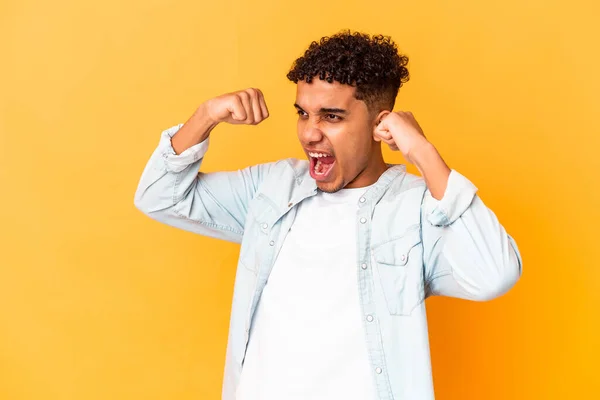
(330, 187)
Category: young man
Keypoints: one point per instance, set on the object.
(338, 252)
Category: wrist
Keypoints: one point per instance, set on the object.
(194, 131)
(203, 118)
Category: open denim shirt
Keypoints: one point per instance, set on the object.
(409, 246)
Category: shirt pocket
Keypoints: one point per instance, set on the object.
(400, 268)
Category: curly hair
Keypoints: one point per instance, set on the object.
(371, 64)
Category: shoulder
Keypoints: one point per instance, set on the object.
(401, 180)
(283, 173)
(412, 181)
(287, 169)
(405, 188)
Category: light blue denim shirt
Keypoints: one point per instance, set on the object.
(410, 246)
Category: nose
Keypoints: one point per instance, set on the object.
(309, 131)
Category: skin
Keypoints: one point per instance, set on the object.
(401, 131)
(333, 121)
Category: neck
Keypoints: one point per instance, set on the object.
(374, 169)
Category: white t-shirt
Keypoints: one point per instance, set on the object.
(307, 341)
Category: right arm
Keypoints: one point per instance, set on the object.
(173, 192)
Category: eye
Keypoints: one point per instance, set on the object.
(302, 113)
(333, 117)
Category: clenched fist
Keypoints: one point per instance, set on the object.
(242, 107)
(401, 131)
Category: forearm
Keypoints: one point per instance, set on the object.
(196, 129)
(432, 168)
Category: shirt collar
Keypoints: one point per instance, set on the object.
(308, 187)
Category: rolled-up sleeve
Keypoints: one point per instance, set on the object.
(456, 200)
(178, 162)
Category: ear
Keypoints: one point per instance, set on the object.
(381, 116)
(378, 119)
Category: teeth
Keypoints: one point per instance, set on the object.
(318, 155)
(317, 165)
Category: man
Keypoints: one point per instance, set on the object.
(338, 252)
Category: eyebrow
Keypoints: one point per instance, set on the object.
(325, 110)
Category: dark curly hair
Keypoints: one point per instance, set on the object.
(371, 64)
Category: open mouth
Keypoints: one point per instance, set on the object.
(321, 165)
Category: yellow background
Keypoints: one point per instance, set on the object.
(97, 301)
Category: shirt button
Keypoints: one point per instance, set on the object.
(370, 318)
(271, 243)
(364, 266)
(362, 199)
(265, 225)
(378, 370)
(363, 220)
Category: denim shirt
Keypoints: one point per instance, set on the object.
(410, 246)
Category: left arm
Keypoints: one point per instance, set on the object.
(467, 252)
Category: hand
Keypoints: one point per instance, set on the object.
(243, 107)
(400, 131)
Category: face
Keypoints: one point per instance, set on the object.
(336, 131)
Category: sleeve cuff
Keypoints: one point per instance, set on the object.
(179, 162)
(457, 199)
